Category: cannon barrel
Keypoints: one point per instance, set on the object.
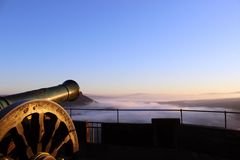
(67, 91)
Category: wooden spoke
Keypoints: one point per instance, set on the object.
(55, 151)
(41, 131)
(20, 131)
(11, 147)
(57, 124)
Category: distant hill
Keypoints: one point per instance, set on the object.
(221, 103)
(80, 101)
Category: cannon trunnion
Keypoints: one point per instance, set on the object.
(34, 126)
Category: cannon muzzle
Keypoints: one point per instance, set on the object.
(67, 91)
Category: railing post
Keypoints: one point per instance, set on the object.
(181, 118)
(117, 115)
(225, 119)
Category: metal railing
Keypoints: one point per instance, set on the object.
(180, 111)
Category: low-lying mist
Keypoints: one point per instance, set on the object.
(106, 111)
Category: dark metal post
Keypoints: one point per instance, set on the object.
(225, 119)
(181, 118)
(97, 141)
(70, 112)
(117, 116)
(93, 135)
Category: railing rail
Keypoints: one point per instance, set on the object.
(181, 112)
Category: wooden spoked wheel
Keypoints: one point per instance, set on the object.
(38, 127)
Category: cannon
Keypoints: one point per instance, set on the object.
(34, 126)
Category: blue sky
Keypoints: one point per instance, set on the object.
(121, 46)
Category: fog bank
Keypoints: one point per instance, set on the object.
(112, 104)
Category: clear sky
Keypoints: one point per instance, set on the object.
(121, 46)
